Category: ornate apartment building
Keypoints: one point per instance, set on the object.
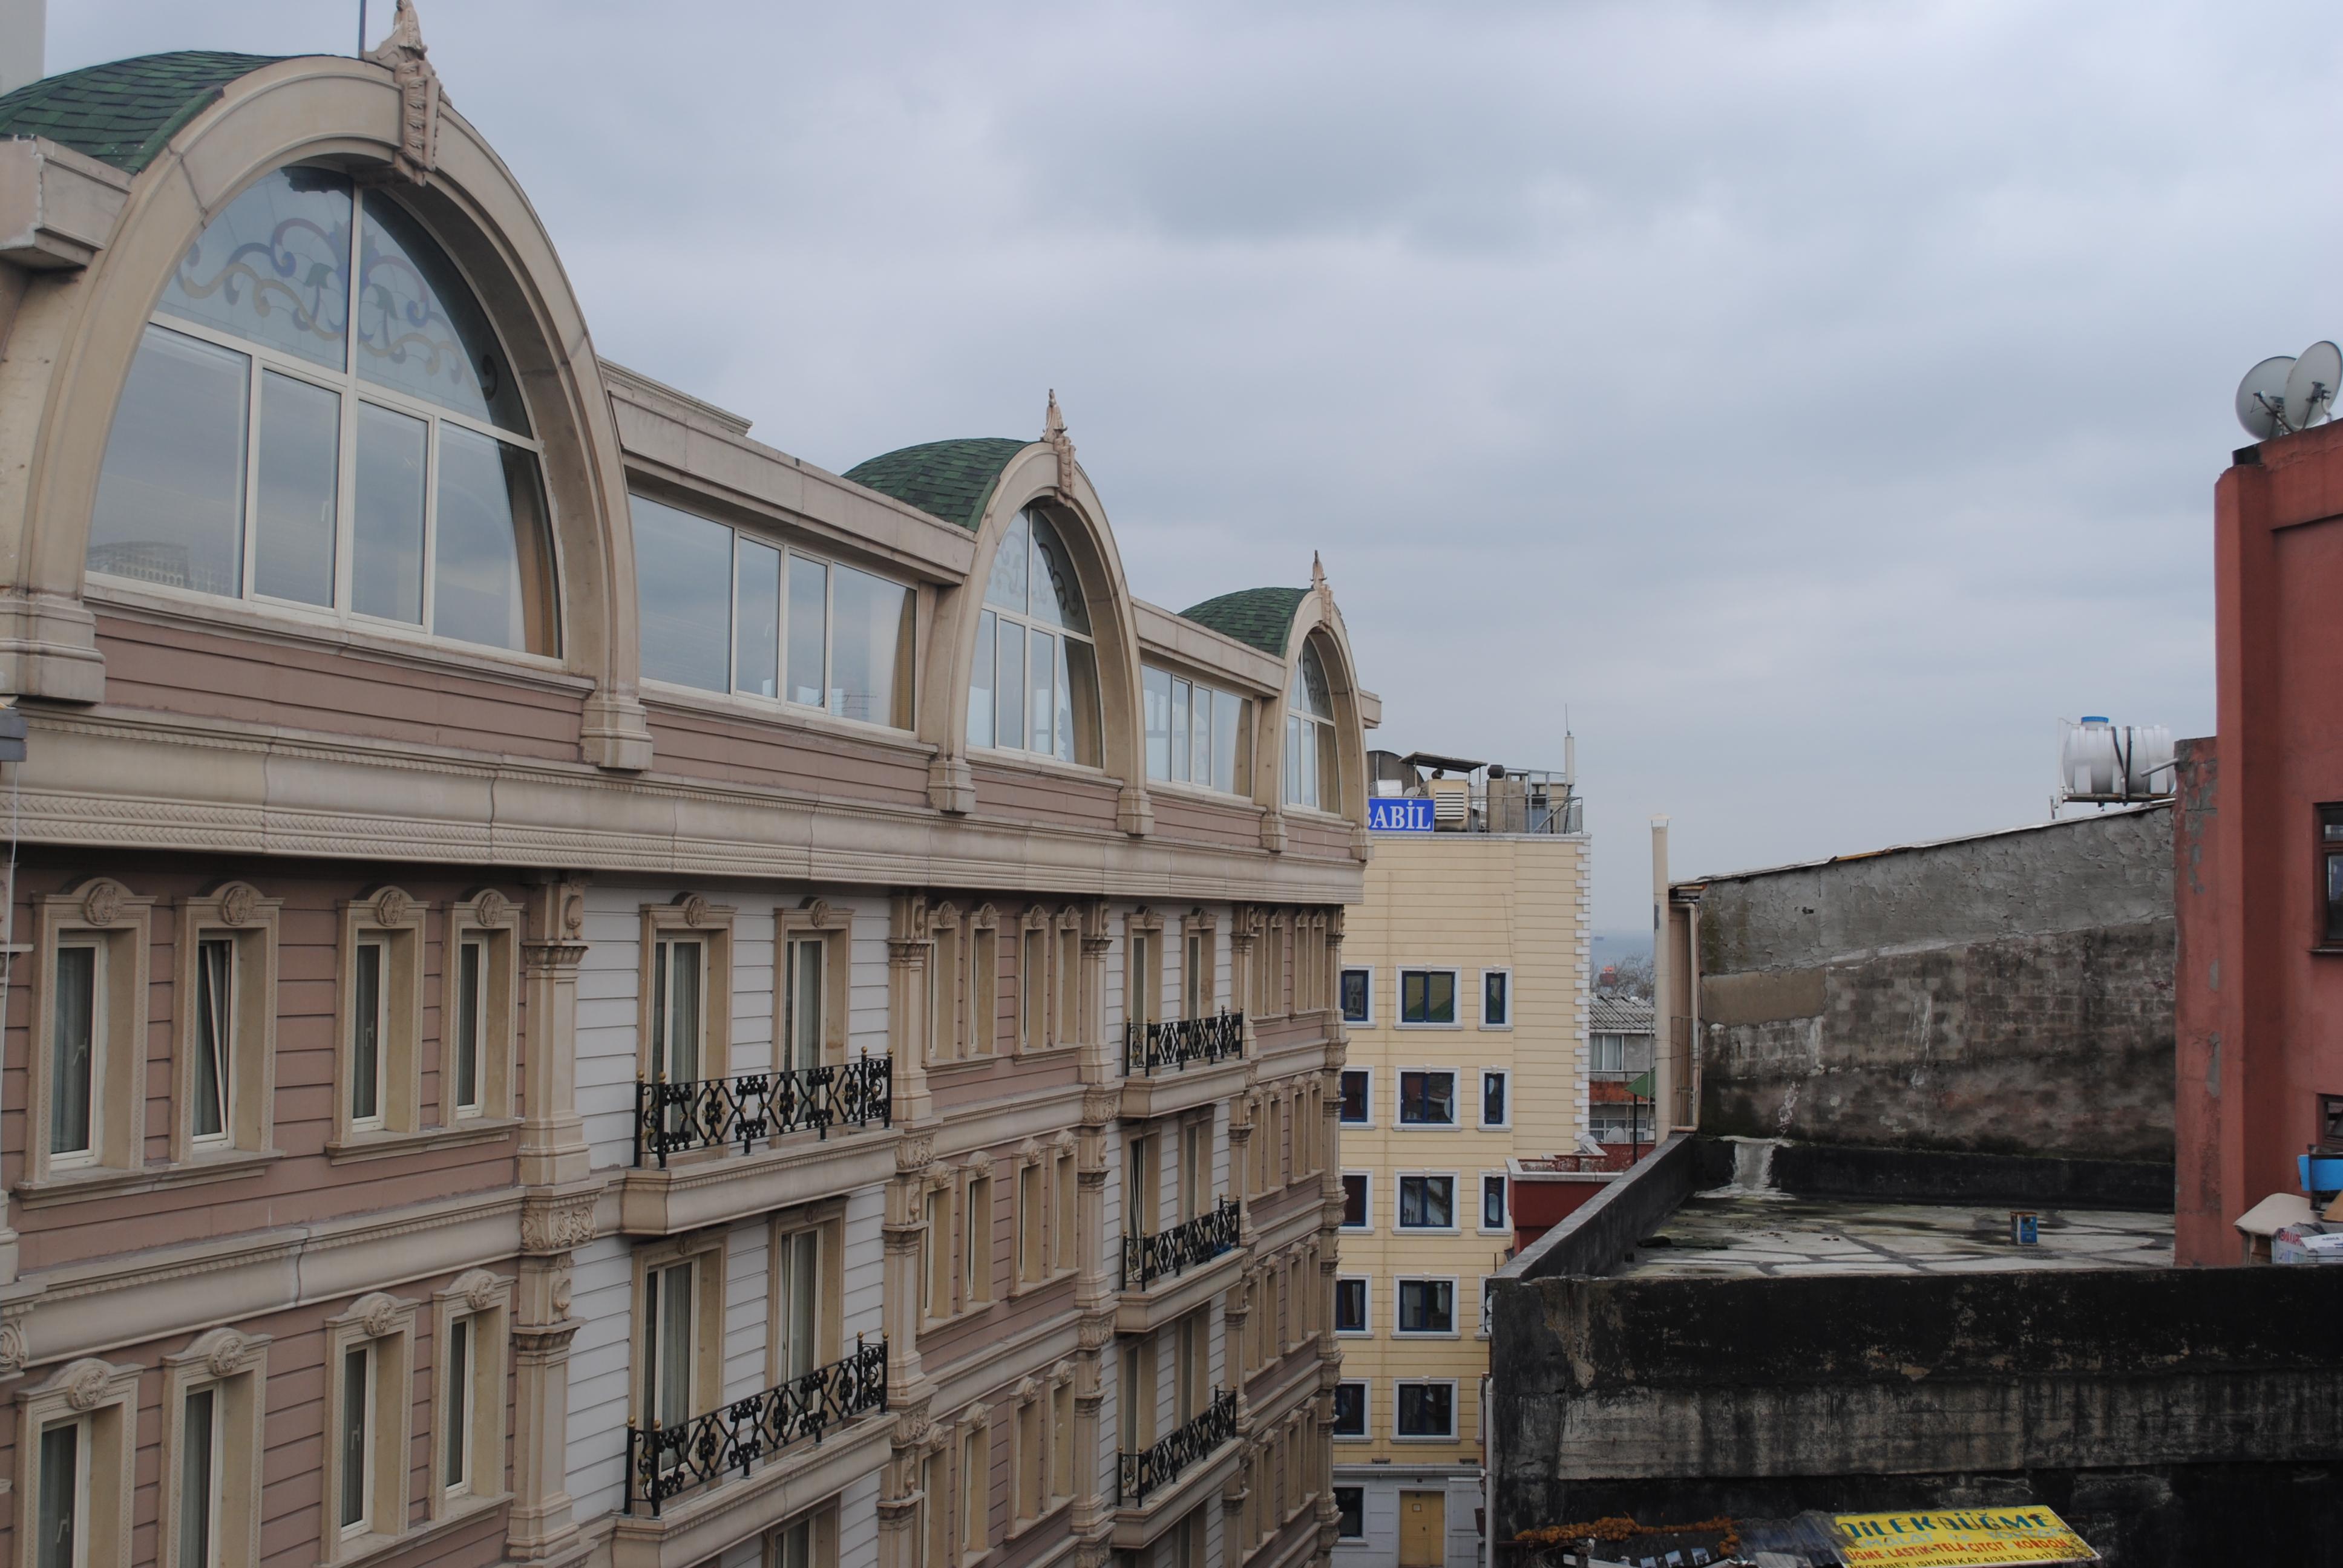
(579, 988)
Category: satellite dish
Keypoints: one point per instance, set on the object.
(2261, 396)
(2311, 384)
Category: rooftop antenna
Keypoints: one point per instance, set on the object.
(362, 10)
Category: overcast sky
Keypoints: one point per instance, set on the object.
(1815, 401)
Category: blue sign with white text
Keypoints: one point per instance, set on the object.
(1400, 814)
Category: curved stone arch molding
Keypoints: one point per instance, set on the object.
(76, 333)
(1317, 615)
(1032, 474)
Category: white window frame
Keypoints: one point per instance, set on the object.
(1455, 1327)
(689, 917)
(235, 1368)
(384, 1325)
(1368, 1178)
(1400, 1122)
(981, 604)
(1480, 1103)
(1488, 1284)
(1480, 1202)
(1368, 971)
(484, 1301)
(1369, 1121)
(1455, 977)
(492, 921)
(1366, 1432)
(1367, 1329)
(1400, 1179)
(1455, 1414)
(394, 920)
(103, 915)
(238, 915)
(1481, 1002)
(106, 1465)
(352, 389)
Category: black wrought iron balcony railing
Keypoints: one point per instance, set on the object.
(1153, 1469)
(707, 1113)
(1177, 1043)
(664, 1461)
(1147, 1259)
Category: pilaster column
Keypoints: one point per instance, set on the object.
(553, 1149)
(910, 950)
(900, 1286)
(1101, 1056)
(539, 1528)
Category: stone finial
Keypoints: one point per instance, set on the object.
(1317, 576)
(404, 54)
(1053, 431)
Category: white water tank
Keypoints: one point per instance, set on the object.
(2086, 757)
(2148, 760)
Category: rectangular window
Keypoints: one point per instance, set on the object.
(937, 1276)
(1427, 996)
(1143, 982)
(1427, 1306)
(1062, 1440)
(216, 1004)
(1351, 1306)
(1196, 734)
(670, 1341)
(715, 614)
(1195, 1169)
(471, 1023)
(1061, 1214)
(976, 1243)
(1427, 1410)
(1620, 1123)
(2330, 851)
(1031, 1481)
(975, 1475)
(1142, 1183)
(1351, 1512)
(1496, 999)
(1358, 1096)
(1030, 1266)
(1492, 1203)
(1488, 1304)
(65, 1497)
(807, 961)
(1494, 1111)
(1427, 1098)
(797, 1305)
(1354, 1200)
(677, 1009)
(1032, 988)
(357, 1439)
(1358, 996)
(935, 1509)
(1350, 1410)
(1427, 1202)
(370, 1025)
(74, 1070)
(199, 1479)
(1609, 1053)
(456, 1421)
(1196, 977)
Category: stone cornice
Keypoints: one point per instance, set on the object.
(97, 778)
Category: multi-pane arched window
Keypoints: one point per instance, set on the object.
(319, 417)
(1313, 775)
(1035, 683)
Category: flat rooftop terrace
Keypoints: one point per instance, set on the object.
(1734, 1234)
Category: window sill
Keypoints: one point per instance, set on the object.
(962, 1063)
(1426, 1230)
(1045, 1053)
(1206, 794)
(1019, 1530)
(1431, 1024)
(1427, 1335)
(352, 1147)
(2327, 949)
(1035, 762)
(1496, 1028)
(366, 1548)
(1429, 1127)
(1428, 1437)
(91, 1182)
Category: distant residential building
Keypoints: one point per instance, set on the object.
(1464, 990)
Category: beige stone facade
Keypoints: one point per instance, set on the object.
(482, 1087)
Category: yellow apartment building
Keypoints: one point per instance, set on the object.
(1463, 989)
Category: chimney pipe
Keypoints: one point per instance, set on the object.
(24, 43)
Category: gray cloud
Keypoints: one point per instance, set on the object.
(1817, 399)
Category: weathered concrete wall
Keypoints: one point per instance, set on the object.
(2011, 993)
(2123, 1391)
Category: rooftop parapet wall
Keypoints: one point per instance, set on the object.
(2008, 993)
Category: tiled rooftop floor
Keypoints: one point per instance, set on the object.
(1731, 1232)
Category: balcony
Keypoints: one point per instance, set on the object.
(729, 1441)
(1141, 1476)
(1181, 1063)
(715, 1112)
(740, 1127)
(1175, 1271)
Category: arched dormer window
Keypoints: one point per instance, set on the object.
(344, 441)
(1314, 773)
(1034, 687)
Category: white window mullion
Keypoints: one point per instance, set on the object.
(430, 519)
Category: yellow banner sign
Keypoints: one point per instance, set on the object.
(1964, 1538)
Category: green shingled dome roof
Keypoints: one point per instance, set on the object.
(946, 479)
(124, 112)
(1263, 616)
